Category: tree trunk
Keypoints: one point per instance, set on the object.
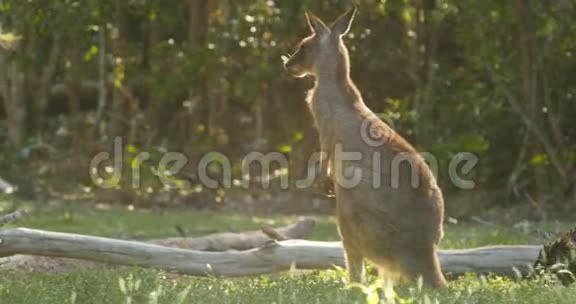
(198, 17)
(119, 119)
(12, 79)
(529, 95)
(102, 80)
(15, 104)
(45, 84)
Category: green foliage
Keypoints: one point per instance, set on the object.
(210, 77)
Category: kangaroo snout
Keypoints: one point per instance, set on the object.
(292, 67)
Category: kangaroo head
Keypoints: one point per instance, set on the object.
(323, 51)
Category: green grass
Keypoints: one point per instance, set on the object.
(150, 286)
(139, 224)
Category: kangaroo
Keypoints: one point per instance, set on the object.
(391, 211)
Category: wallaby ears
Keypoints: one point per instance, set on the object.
(316, 25)
(342, 25)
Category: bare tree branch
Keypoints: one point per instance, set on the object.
(11, 217)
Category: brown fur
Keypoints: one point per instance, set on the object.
(396, 225)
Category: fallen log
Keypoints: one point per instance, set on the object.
(240, 240)
(11, 217)
(272, 257)
(23, 264)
